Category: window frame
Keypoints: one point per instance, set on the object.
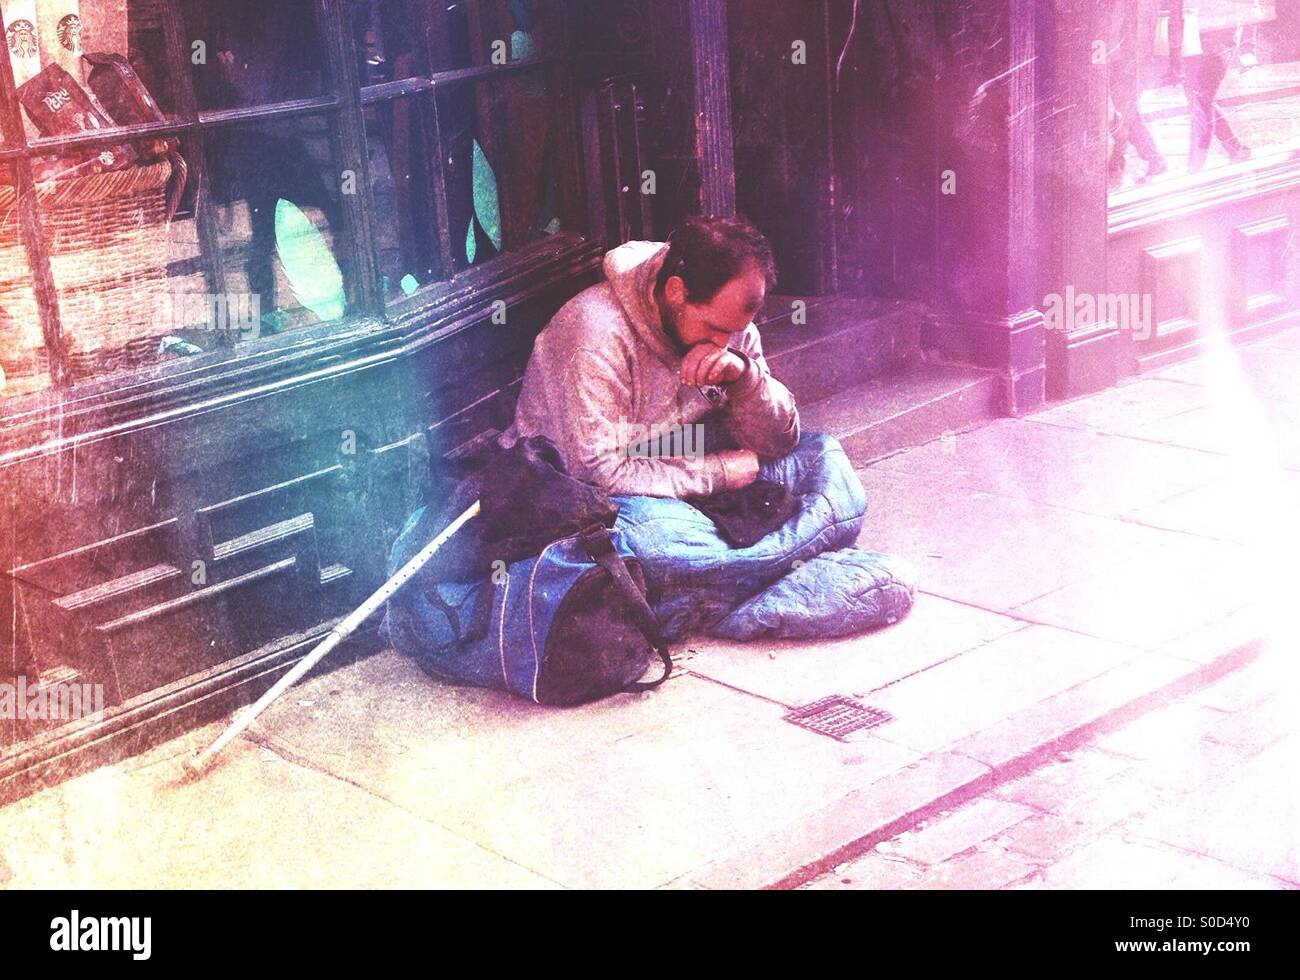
(372, 327)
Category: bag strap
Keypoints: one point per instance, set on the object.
(598, 544)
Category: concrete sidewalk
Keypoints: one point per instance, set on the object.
(1078, 566)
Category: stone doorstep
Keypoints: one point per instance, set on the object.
(850, 827)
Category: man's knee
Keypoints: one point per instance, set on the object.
(818, 442)
(819, 464)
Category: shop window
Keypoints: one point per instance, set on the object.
(495, 181)
(502, 184)
(1199, 84)
(195, 171)
(277, 198)
(245, 53)
(460, 52)
(121, 269)
(387, 37)
(405, 232)
(24, 361)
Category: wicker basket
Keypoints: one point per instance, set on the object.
(107, 236)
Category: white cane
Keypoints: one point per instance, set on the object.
(198, 764)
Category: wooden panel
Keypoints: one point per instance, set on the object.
(1171, 276)
(1258, 256)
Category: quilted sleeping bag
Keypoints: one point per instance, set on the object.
(805, 580)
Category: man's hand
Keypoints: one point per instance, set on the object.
(740, 467)
(705, 364)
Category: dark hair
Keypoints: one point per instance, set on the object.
(709, 252)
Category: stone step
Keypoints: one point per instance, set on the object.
(844, 342)
(912, 406)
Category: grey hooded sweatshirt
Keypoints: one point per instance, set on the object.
(603, 376)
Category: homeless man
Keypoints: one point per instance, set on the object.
(667, 345)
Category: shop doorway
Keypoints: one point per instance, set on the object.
(781, 127)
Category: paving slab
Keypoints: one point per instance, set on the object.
(972, 692)
(663, 803)
(436, 746)
(795, 673)
(993, 551)
(1045, 838)
(629, 792)
(1257, 726)
(1248, 821)
(1243, 427)
(1154, 804)
(1269, 372)
(797, 851)
(1127, 409)
(976, 871)
(1252, 507)
(940, 839)
(1110, 863)
(1184, 584)
(1274, 670)
(1017, 741)
(1076, 469)
(255, 821)
(1073, 777)
(1160, 735)
(874, 871)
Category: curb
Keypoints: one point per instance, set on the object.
(854, 824)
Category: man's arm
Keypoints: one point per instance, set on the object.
(593, 389)
(761, 414)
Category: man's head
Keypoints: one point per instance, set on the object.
(714, 279)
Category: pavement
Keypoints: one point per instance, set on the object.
(1197, 794)
(1103, 562)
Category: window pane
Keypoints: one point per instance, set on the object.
(460, 52)
(388, 36)
(406, 236)
(1196, 86)
(254, 51)
(117, 260)
(87, 64)
(482, 32)
(499, 143)
(24, 364)
(146, 48)
(277, 192)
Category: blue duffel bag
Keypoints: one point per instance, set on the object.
(567, 626)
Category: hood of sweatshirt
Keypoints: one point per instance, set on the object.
(631, 270)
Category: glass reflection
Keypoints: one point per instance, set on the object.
(1197, 84)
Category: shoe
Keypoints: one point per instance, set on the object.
(1239, 154)
(1156, 167)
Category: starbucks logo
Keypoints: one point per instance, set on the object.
(69, 33)
(21, 35)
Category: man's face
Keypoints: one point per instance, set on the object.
(715, 321)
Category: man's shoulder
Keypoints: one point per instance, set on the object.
(592, 316)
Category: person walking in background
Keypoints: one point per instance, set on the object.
(1205, 73)
(1131, 36)
(1175, 73)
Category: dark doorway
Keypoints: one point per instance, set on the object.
(781, 121)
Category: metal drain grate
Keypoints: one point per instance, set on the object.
(837, 716)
